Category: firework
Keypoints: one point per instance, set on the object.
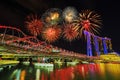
(69, 14)
(70, 32)
(89, 21)
(52, 16)
(51, 34)
(34, 24)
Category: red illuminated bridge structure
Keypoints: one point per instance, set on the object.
(15, 41)
(18, 42)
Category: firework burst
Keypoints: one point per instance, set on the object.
(34, 24)
(52, 16)
(51, 34)
(89, 21)
(69, 14)
(70, 32)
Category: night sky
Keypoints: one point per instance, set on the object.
(13, 13)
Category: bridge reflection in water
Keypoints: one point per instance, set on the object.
(107, 71)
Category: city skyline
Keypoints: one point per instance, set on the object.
(14, 13)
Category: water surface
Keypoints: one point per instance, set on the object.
(107, 71)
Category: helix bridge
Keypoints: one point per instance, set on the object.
(15, 42)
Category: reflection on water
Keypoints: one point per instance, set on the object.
(100, 71)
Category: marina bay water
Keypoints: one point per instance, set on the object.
(61, 71)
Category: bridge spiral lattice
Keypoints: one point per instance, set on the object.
(15, 37)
